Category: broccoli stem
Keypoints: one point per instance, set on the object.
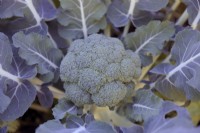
(130, 13)
(126, 29)
(56, 92)
(83, 20)
(182, 19)
(107, 30)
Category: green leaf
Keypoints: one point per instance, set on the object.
(193, 9)
(180, 80)
(75, 124)
(81, 17)
(180, 122)
(63, 107)
(146, 104)
(38, 50)
(152, 5)
(148, 40)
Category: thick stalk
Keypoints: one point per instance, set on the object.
(4, 73)
(126, 29)
(37, 17)
(173, 8)
(183, 18)
(83, 20)
(130, 13)
(58, 94)
(196, 21)
(107, 31)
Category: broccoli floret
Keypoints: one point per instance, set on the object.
(110, 94)
(75, 93)
(98, 70)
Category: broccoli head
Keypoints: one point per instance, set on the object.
(99, 70)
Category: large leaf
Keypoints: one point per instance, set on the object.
(53, 30)
(11, 8)
(40, 9)
(16, 92)
(52, 126)
(164, 123)
(38, 49)
(181, 130)
(148, 41)
(181, 81)
(33, 14)
(193, 9)
(5, 59)
(145, 105)
(45, 96)
(81, 17)
(75, 125)
(6, 100)
(152, 5)
(5, 50)
(121, 11)
(26, 24)
(63, 107)
(133, 129)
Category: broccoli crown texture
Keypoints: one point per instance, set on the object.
(98, 70)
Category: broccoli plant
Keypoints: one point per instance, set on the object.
(100, 66)
(99, 70)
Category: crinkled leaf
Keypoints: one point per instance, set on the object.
(16, 92)
(6, 100)
(63, 107)
(152, 5)
(21, 93)
(52, 126)
(33, 14)
(161, 123)
(146, 104)
(45, 96)
(181, 130)
(89, 118)
(10, 8)
(45, 9)
(75, 124)
(40, 9)
(133, 129)
(81, 17)
(148, 41)
(121, 11)
(99, 127)
(193, 9)
(26, 24)
(181, 81)
(5, 50)
(20, 68)
(5, 59)
(53, 30)
(39, 50)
